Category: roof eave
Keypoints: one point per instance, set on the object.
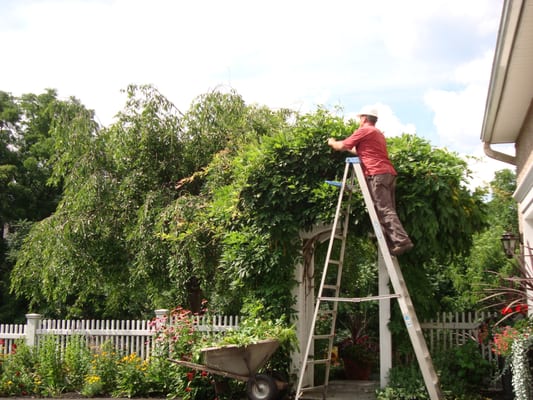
(509, 23)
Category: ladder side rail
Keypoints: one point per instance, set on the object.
(346, 223)
(305, 357)
(417, 338)
(398, 283)
(342, 250)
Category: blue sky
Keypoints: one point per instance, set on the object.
(425, 64)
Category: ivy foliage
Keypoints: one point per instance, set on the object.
(469, 273)
(161, 203)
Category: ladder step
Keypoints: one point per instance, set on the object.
(312, 393)
(331, 287)
(339, 184)
(334, 183)
(313, 388)
(323, 336)
(319, 361)
(359, 299)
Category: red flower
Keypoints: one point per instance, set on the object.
(521, 308)
(190, 376)
(507, 310)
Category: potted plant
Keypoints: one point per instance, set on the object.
(358, 348)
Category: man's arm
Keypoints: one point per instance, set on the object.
(338, 145)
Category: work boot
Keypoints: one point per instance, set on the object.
(401, 248)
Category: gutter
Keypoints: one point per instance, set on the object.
(511, 14)
(498, 155)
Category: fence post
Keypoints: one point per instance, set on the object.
(33, 322)
(161, 312)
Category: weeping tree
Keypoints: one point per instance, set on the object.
(103, 253)
(26, 194)
(163, 204)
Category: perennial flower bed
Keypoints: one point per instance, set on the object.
(515, 343)
(43, 371)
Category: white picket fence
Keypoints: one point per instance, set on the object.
(135, 336)
(449, 330)
(126, 336)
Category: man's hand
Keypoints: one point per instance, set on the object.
(336, 145)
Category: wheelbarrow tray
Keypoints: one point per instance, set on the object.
(236, 361)
(240, 360)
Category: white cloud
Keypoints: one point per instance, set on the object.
(458, 118)
(388, 122)
(458, 114)
(294, 54)
(483, 167)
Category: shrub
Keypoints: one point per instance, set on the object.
(405, 383)
(463, 370)
(17, 377)
(131, 376)
(101, 378)
(160, 374)
(77, 362)
(49, 377)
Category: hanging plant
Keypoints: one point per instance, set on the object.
(522, 381)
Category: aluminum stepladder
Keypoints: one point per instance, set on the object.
(352, 172)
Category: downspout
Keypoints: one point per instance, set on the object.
(498, 155)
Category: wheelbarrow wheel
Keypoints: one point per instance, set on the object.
(262, 387)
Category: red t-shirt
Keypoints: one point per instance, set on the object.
(371, 148)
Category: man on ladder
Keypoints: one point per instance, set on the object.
(369, 144)
(375, 175)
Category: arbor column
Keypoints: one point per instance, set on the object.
(385, 340)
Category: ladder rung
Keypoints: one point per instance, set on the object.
(334, 262)
(348, 186)
(323, 336)
(319, 361)
(309, 388)
(334, 183)
(360, 299)
(330, 287)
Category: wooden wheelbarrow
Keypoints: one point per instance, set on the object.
(242, 363)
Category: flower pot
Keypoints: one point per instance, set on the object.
(355, 370)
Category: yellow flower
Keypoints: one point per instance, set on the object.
(92, 379)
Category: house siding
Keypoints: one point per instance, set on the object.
(524, 147)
